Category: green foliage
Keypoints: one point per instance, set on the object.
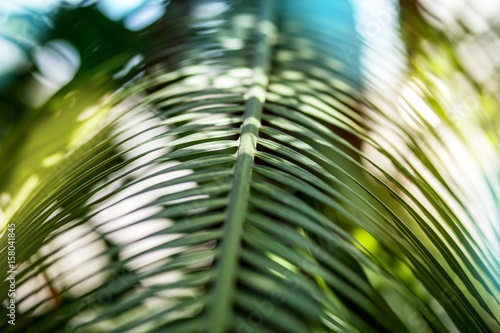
(243, 179)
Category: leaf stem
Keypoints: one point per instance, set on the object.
(224, 279)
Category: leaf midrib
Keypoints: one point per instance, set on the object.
(226, 265)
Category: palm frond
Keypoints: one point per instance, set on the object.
(249, 177)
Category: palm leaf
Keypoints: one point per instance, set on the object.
(248, 178)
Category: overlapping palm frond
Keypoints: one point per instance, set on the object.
(242, 181)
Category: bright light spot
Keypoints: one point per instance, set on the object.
(207, 24)
(225, 82)
(21, 6)
(88, 128)
(282, 262)
(240, 72)
(377, 23)
(366, 240)
(292, 75)
(209, 9)
(445, 10)
(58, 61)
(282, 89)
(232, 43)
(5, 198)
(415, 104)
(78, 265)
(473, 14)
(197, 81)
(119, 9)
(87, 113)
(195, 69)
(136, 60)
(12, 59)
(267, 28)
(21, 196)
(52, 159)
(487, 8)
(257, 92)
(144, 16)
(244, 21)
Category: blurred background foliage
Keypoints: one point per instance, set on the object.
(63, 58)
